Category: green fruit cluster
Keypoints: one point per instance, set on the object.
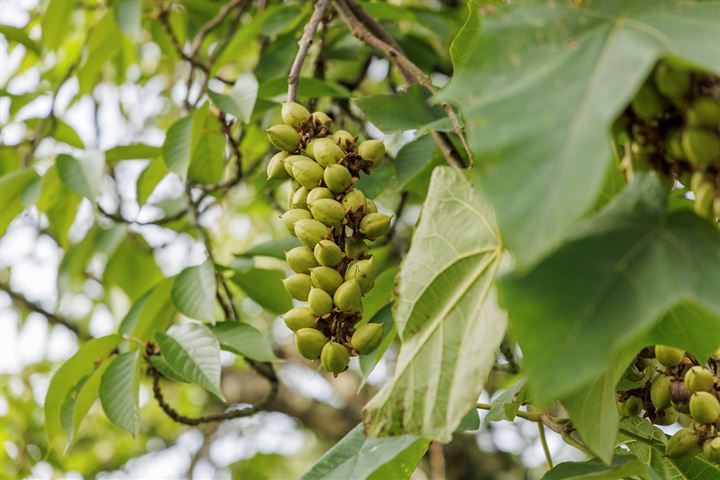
(333, 219)
(670, 386)
(673, 126)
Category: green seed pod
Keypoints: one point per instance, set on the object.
(276, 167)
(334, 357)
(716, 207)
(699, 379)
(630, 407)
(310, 232)
(355, 247)
(298, 285)
(681, 407)
(704, 199)
(283, 137)
(310, 342)
(370, 206)
(354, 200)
(326, 151)
(674, 144)
(343, 138)
(299, 198)
(320, 301)
(337, 178)
(669, 356)
(291, 217)
(299, 317)
(328, 211)
(318, 193)
(363, 272)
(290, 161)
(367, 338)
(704, 408)
(697, 179)
(294, 114)
(374, 225)
(308, 173)
(648, 103)
(685, 443)
(326, 278)
(372, 150)
(309, 149)
(348, 297)
(321, 118)
(666, 417)
(701, 147)
(327, 253)
(660, 392)
(301, 259)
(711, 450)
(704, 112)
(672, 82)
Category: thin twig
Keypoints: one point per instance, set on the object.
(212, 24)
(22, 301)
(304, 45)
(543, 442)
(117, 217)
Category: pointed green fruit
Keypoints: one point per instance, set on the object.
(671, 81)
(299, 198)
(704, 408)
(321, 118)
(326, 278)
(310, 232)
(711, 450)
(666, 417)
(699, 379)
(660, 392)
(373, 150)
(309, 149)
(308, 173)
(630, 407)
(334, 357)
(348, 297)
(294, 114)
(648, 103)
(685, 443)
(327, 253)
(310, 342)
(355, 247)
(327, 211)
(320, 301)
(301, 259)
(370, 206)
(291, 217)
(701, 147)
(318, 193)
(374, 225)
(299, 317)
(276, 167)
(337, 178)
(704, 199)
(669, 356)
(343, 138)
(363, 272)
(298, 285)
(290, 161)
(367, 338)
(326, 151)
(354, 200)
(704, 112)
(283, 137)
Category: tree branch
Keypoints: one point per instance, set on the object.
(20, 300)
(304, 44)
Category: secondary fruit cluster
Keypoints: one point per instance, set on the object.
(672, 126)
(333, 219)
(669, 386)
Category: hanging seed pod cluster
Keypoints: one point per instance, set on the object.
(333, 220)
(667, 385)
(673, 126)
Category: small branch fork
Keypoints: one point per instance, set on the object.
(304, 44)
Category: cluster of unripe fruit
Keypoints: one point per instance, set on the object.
(333, 220)
(673, 126)
(672, 386)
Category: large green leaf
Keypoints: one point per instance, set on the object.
(240, 100)
(149, 178)
(86, 396)
(623, 466)
(59, 203)
(265, 287)
(119, 388)
(244, 340)
(447, 316)
(68, 375)
(610, 285)
(81, 175)
(132, 267)
(193, 352)
(12, 191)
(271, 248)
(56, 22)
(412, 159)
(358, 457)
(405, 111)
(15, 34)
(541, 86)
(193, 292)
(151, 313)
(131, 152)
(127, 15)
(102, 45)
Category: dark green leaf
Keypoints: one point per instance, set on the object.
(81, 175)
(240, 101)
(265, 287)
(119, 392)
(244, 340)
(127, 15)
(271, 248)
(405, 111)
(623, 466)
